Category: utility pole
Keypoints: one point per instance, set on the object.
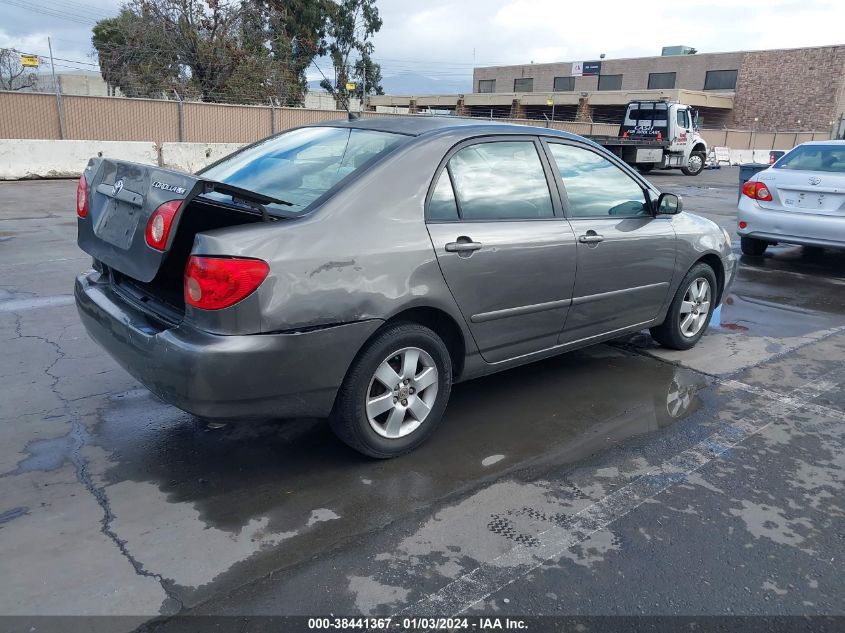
(364, 81)
(58, 93)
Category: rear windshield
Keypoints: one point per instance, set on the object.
(302, 164)
(815, 158)
(646, 114)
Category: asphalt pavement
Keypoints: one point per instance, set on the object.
(617, 480)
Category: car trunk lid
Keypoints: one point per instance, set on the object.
(807, 192)
(122, 196)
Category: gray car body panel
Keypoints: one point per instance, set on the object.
(362, 255)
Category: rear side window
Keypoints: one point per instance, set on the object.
(301, 165)
(503, 180)
(815, 158)
(442, 205)
(595, 187)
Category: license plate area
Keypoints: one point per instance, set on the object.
(649, 155)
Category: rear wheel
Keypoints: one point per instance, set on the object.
(752, 246)
(690, 310)
(695, 163)
(395, 393)
(644, 168)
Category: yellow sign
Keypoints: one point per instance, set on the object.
(350, 85)
(549, 102)
(29, 60)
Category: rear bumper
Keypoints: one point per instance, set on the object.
(806, 229)
(213, 376)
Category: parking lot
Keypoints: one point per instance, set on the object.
(622, 479)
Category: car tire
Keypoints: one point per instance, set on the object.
(644, 168)
(695, 164)
(752, 246)
(363, 393)
(676, 332)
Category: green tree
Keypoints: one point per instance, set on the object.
(352, 24)
(297, 30)
(136, 55)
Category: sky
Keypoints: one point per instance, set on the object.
(444, 39)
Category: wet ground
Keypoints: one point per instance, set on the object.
(618, 480)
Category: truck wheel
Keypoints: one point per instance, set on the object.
(395, 392)
(752, 246)
(644, 168)
(695, 164)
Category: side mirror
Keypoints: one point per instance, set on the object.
(669, 204)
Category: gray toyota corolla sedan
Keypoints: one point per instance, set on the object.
(355, 270)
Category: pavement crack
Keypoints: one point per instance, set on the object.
(80, 437)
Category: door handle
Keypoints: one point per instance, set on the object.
(463, 245)
(591, 238)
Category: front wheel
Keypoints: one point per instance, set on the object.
(695, 163)
(690, 310)
(395, 392)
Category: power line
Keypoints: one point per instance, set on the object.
(56, 13)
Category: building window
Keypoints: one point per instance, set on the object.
(486, 85)
(657, 81)
(526, 84)
(610, 82)
(564, 84)
(720, 80)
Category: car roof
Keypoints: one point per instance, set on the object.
(421, 125)
(830, 142)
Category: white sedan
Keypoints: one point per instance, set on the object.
(798, 200)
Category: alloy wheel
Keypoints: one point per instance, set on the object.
(695, 307)
(402, 392)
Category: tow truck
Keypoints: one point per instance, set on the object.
(662, 134)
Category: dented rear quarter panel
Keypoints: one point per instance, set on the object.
(364, 253)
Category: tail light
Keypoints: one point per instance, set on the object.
(214, 283)
(659, 135)
(82, 197)
(159, 224)
(625, 134)
(756, 190)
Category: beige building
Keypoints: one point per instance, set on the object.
(787, 89)
(801, 89)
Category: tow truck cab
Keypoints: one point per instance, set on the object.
(673, 129)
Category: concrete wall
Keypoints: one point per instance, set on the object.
(28, 158)
(25, 158)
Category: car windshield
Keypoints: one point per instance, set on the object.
(301, 165)
(815, 158)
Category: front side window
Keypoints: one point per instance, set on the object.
(596, 187)
(486, 85)
(302, 164)
(526, 84)
(683, 120)
(814, 158)
(501, 181)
